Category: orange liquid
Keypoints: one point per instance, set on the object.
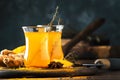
(36, 54)
(55, 47)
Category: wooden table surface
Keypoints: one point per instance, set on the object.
(102, 75)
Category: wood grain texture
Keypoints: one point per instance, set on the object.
(85, 51)
(42, 73)
(81, 35)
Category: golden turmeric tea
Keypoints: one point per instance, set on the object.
(55, 47)
(36, 54)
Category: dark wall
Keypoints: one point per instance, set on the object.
(76, 15)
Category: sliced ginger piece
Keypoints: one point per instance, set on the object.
(65, 62)
(20, 49)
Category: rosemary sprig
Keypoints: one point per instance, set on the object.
(54, 16)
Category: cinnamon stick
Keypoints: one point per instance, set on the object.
(87, 31)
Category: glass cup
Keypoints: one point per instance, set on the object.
(54, 43)
(36, 53)
(43, 44)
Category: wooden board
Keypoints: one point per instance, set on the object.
(43, 73)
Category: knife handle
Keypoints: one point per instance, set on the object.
(111, 63)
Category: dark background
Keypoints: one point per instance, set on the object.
(76, 15)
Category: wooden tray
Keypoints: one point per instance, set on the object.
(43, 73)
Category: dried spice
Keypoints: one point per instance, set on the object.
(54, 16)
(55, 65)
(11, 59)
